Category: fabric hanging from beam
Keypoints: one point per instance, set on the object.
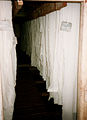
(7, 59)
(54, 40)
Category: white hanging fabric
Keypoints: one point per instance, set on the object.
(1, 103)
(54, 52)
(7, 58)
(70, 14)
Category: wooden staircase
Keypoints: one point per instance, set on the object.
(32, 97)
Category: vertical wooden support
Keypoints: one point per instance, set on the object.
(17, 5)
(82, 68)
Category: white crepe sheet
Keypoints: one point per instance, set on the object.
(7, 59)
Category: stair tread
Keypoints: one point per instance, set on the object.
(30, 101)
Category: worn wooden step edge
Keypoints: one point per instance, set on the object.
(45, 94)
(40, 82)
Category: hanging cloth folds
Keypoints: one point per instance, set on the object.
(7, 59)
(54, 51)
(5, 26)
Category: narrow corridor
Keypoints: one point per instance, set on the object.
(32, 97)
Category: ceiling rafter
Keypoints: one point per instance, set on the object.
(57, 0)
(31, 9)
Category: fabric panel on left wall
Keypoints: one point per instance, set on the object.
(7, 58)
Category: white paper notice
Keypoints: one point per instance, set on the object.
(66, 26)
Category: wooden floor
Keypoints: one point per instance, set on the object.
(32, 97)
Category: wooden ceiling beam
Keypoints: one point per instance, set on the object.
(57, 0)
(46, 8)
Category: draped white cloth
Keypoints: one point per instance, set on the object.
(7, 59)
(54, 40)
(1, 104)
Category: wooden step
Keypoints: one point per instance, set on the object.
(40, 82)
(32, 97)
(45, 94)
